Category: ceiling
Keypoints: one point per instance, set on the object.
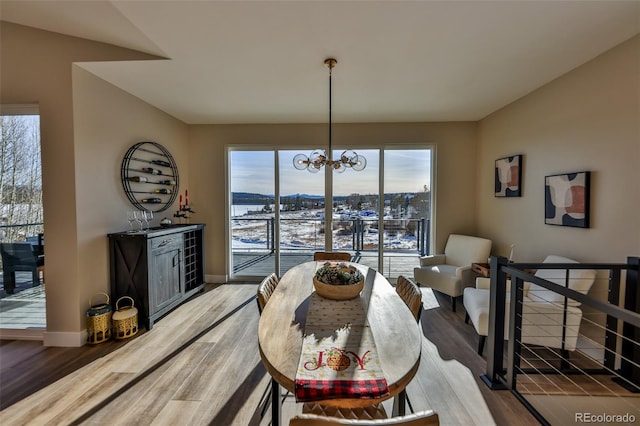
(398, 61)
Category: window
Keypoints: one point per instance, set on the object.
(387, 232)
(21, 210)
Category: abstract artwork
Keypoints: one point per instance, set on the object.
(508, 173)
(566, 199)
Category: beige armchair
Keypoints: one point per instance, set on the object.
(450, 272)
(543, 315)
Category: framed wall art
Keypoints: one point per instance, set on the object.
(566, 199)
(508, 176)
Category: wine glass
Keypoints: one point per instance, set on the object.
(147, 216)
(143, 218)
(132, 216)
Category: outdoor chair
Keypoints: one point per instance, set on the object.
(19, 257)
(450, 272)
(331, 255)
(422, 418)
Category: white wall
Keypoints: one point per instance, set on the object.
(78, 165)
(107, 122)
(588, 119)
(455, 149)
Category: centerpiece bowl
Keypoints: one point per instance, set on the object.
(338, 281)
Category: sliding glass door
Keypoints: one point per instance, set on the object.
(279, 216)
(407, 210)
(302, 221)
(357, 209)
(252, 212)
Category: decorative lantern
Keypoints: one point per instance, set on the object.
(99, 320)
(125, 320)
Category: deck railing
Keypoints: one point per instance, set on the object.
(600, 380)
(356, 235)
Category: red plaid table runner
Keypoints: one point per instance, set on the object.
(339, 357)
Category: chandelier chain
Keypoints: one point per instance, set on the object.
(320, 158)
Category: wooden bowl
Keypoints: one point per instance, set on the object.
(338, 292)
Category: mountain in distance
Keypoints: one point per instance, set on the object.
(258, 199)
(251, 198)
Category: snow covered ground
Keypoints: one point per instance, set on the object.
(304, 230)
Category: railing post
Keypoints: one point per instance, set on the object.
(359, 235)
(427, 233)
(495, 339)
(630, 364)
(423, 236)
(611, 334)
(272, 234)
(354, 233)
(515, 331)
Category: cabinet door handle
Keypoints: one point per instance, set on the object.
(164, 243)
(176, 259)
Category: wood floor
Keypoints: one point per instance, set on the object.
(200, 365)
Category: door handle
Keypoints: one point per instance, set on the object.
(176, 259)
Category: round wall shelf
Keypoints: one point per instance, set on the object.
(150, 176)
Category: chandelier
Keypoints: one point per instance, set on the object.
(319, 157)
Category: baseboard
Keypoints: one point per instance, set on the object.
(21, 334)
(68, 339)
(216, 279)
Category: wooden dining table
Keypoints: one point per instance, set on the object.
(282, 327)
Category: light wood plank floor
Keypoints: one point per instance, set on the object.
(200, 366)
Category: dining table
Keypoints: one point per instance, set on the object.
(283, 331)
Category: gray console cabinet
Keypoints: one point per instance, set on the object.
(159, 268)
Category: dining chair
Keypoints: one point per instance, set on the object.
(410, 293)
(331, 255)
(422, 418)
(264, 292)
(265, 289)
(369, 412)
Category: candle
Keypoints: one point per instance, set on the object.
(186, 197)
(180, 202)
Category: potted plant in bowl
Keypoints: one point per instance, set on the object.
(338, 281)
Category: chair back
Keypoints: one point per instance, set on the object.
(410, 293)
(580, 280)
(463, 250)
(18, 254)
(331, 255)
(265, 289)
(421, 418)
